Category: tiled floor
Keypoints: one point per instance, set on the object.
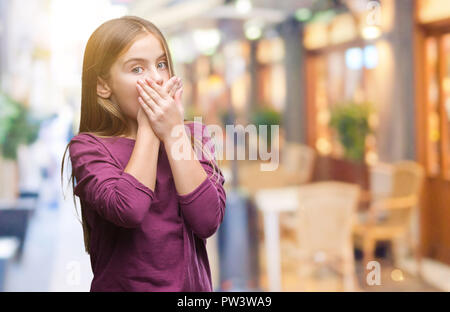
(53, 257)
(391, 279)
(32, 272)
(54, 260)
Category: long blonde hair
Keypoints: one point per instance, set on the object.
(101, 116)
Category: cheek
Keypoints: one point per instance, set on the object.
(126, 95)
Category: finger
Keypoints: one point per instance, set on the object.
(141, 100)
(178, 100)
(159, 90)
(174, 89)
(155, 109)
(148, 94)
(148, 100)
(170, 84)
(178, 94)
(146, 108)
(151, 92)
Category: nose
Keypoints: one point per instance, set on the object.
(155, 76)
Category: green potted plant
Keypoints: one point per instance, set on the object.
(351, 122)
(17, 127)
(266, 116)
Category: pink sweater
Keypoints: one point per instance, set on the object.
(144, 240)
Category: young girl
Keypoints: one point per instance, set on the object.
(146, 212)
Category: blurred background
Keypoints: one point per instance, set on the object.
(360, 89)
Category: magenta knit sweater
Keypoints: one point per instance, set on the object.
(144, 240)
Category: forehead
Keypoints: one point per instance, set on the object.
(144, 46)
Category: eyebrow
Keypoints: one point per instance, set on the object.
(139, 59)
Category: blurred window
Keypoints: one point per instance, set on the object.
(342, 74)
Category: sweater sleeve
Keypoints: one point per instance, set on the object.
(204, 207)
(115, 195)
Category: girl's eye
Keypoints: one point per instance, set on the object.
(165, 64)
(134, 70)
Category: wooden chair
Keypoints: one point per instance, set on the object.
(296, 167)
(252, 178)
(325, 218)
(298, 164)
(395, 195)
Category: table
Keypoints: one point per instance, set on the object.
(14, 219)
(271, 202)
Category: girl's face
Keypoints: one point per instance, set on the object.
(144, 59)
